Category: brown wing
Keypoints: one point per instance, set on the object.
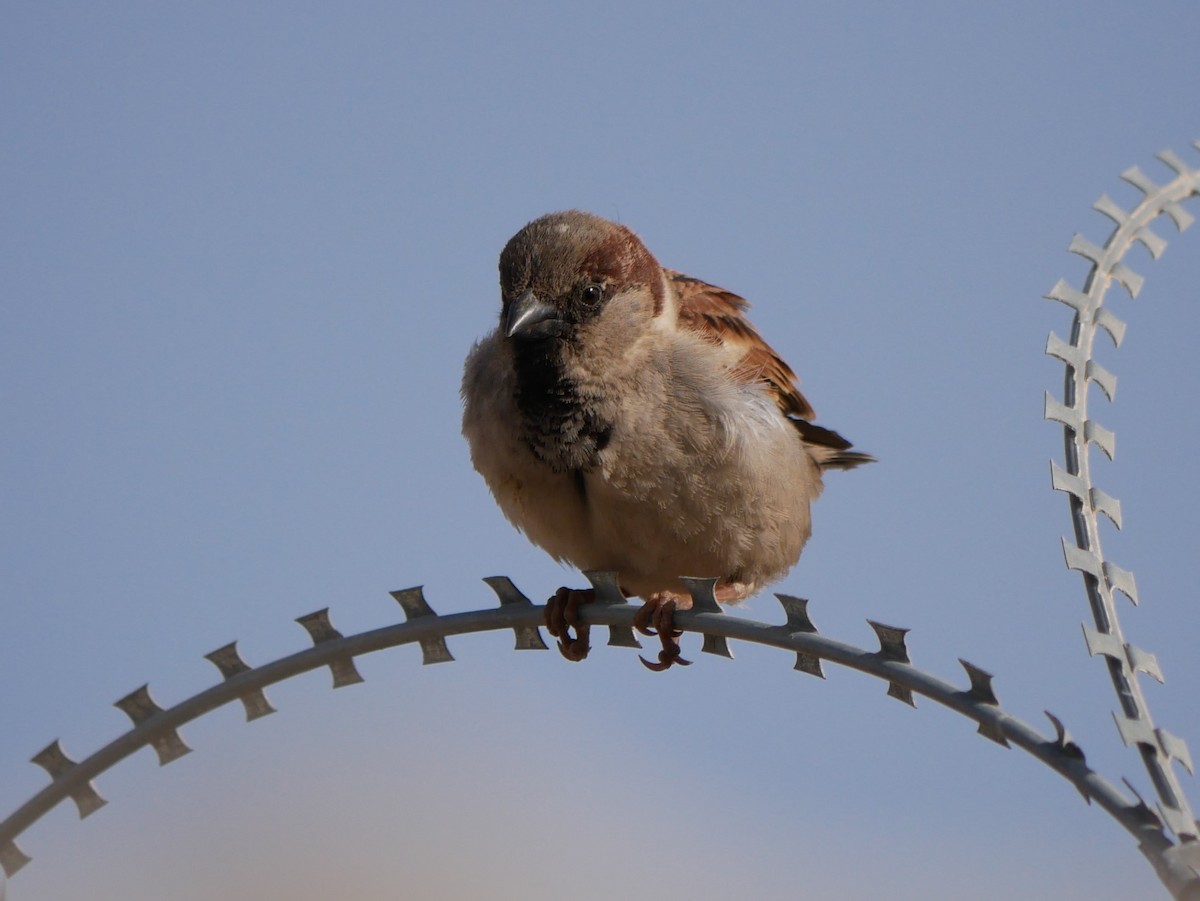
(719, 316)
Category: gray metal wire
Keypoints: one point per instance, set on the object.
(1176, 862)
(1103, 579)
(158, 728)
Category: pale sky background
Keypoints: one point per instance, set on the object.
(244, 250)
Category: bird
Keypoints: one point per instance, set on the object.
(629, 418)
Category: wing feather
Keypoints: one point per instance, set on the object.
(719, 317)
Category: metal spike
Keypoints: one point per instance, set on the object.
(1169, 157)
(1136, 732)
(412, 601)
(1062, 414)
(798, 620)
(715, 644)
(1181, 217)
(609, 593)
(1102, 377)
(1121, 580)
(529, 638)
(1062, 291)
(1066, 746)
(1106, 206)
(991, 729)
(1178, 822)
(1136, 177)
(1083, 561)
(1103, 438)
(344, 672)
(1151, 241)
(508, 593)
(1141, 809)
(892, 647)
(1106, 504)
(809, 663)
(12, 858)
(1061, 480)
(140, 707)
(227, 659)
(1059, 349)
(900, 693)
(1081, 246)
(1175, 748)
(704, 600)
(981, 692)
(1144, 662)
(321, 630)
(981, 684)
(1129, 280)
(1111, 324)
(622, 637)
(318, 626)
(55, 762)
(230, 663)
(604, 583)
(891, 642)
(1063, 741)
(1102, 643)
(796, 610)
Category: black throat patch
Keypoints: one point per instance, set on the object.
(563, 428)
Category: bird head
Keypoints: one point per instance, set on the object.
(565, 273)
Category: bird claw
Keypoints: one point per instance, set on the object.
(667, 658)
(562, 614)
(660, 610)
(646, 630)
(575, 650)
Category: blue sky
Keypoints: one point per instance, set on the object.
(245, 250)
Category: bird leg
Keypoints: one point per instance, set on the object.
(659, 611)
(562, 614)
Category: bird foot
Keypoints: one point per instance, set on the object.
(562, 615)
(659, 611)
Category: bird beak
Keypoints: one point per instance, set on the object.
(529, 317)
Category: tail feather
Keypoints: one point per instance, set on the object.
(829, 449)
(845, 460)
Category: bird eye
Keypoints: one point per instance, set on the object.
(593, 294)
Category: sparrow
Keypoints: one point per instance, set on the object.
(629, 418)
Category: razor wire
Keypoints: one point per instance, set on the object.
(158, 727)
(1103, 579)
(1167, 837)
